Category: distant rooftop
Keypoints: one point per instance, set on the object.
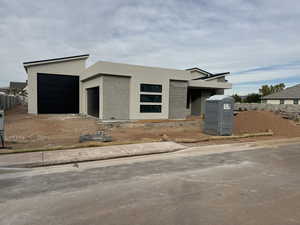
(17, 85)
(288, 93)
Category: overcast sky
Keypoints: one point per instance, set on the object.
(258, 41)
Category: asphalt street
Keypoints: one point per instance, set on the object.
(260, 187)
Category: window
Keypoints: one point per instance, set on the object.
(151, 88)
(150, 98)
(150, 108)
(155, 99)
(281, 101)
(296, 101)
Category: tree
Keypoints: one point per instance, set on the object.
(267, 90)
(253, 98)
(237, 98)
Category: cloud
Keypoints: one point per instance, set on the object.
(255, 40)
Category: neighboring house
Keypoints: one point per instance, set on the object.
(118, 91)
(16, 87)
(4, 90)
(289, 95)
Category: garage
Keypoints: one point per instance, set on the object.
(93, 101)
(57, 93)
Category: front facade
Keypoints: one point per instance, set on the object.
(288, 96)
(116, 91)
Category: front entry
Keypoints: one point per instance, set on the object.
(198, 97)
(196, 102)
(93, 101)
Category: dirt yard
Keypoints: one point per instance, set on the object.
(261, 121)
(33, 131)
(25, 131)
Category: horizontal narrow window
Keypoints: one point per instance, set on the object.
(150, 108)
(151, 88)
(150, 98)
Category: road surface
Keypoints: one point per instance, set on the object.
(260, 186)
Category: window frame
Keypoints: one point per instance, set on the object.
(143, 100)
(152, 90)
(149, 111)
(151, 85)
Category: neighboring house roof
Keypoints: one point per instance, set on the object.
(32, 63)
(288, 93)
(17, 85)
(212, 76)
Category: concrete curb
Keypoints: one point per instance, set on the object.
(47, 158)
(214, 138)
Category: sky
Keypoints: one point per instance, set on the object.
(257, 41)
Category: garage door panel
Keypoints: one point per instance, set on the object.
(58, 93)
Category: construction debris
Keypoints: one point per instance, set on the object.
(99, 136)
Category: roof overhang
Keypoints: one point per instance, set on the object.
(196, 69)
(216, 76)
(211, 84)
(103, 74)
(55, 60)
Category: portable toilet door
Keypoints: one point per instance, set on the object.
(226, 120)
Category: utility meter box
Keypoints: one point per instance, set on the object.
(218, 119)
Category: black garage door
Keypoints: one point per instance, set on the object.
(58, 93)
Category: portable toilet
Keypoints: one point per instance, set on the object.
(218, 119)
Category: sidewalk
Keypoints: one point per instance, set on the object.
(46, 158)
(32, 159)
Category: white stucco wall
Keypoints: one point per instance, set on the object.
(71, 67)
(275, 102)
(288, 101)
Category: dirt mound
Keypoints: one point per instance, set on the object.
(261, 121)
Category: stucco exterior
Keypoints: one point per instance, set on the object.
(178, 99)
(120, 87)
(115, 97)
(277, 101)
(272, 101)
(68, 67)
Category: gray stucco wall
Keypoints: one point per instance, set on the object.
(221, 79)
(177, 99)
(219, 91)
(196, 102)
(115, 99)
(205, 95)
